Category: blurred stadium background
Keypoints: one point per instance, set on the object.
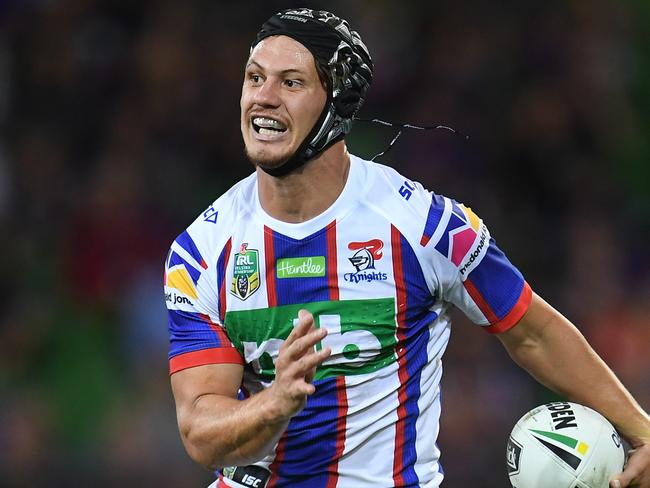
(119, 124)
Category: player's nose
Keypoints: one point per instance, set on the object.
(267, 94)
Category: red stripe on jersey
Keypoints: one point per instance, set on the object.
(269, 256)
(279, 457)
(332, 270)
(222, 483)
(515, 314)
(217, 355)
(223, 338)
(400, 287)
(342, 413)
(481, 303)
(424, 240)
(222, 291)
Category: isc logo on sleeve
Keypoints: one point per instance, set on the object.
(250, 476)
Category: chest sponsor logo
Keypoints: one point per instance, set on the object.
(361, 334)
(364, 258)
(307, 267)
(246, 275)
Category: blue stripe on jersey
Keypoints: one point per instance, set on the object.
(418, 294)
(301, 290)
(190, 332)
(176, 259)
(457, 211)
(310, 442)
(418, 318)
(435, 214)
(185, 241)
(498, 281)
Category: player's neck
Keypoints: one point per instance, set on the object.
(308, 191)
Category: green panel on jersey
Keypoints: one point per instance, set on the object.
(361, 335)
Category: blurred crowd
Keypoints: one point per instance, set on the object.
(119, 123)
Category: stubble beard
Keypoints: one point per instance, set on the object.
(267, 161)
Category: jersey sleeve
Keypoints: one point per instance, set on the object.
(196, 334)
(472, 272)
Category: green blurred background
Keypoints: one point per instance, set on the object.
(119, 124)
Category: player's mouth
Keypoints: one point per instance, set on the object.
(267, 128)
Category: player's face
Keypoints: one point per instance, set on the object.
(282, 97)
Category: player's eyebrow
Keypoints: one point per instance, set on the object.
(283, 72)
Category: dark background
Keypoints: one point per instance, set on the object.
(119, 124)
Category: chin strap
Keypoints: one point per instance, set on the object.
(328, 129)
(401, 128)
(307, 151)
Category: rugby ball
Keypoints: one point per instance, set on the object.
(563, 445)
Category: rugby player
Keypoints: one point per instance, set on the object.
(309, 305)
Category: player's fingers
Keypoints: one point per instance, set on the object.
(305, 344)
(307, 364)
(314, 360)
(305, 323)
(324, 354)
(637, 470)
(305, 316)
(307, 389)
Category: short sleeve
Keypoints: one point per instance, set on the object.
(472, 272)
(196, 334)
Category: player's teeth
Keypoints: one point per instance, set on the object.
(266, 122)
(265, 131)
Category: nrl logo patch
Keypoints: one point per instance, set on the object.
(246, 277)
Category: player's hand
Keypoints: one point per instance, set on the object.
(296, 366)
(636, 473)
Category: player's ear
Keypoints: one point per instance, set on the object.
(347, 102)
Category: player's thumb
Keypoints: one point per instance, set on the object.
(621, 480)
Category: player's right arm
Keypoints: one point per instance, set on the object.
(219, 430)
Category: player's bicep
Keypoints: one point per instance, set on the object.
(532, 327)
(191, 384)
(217, 384)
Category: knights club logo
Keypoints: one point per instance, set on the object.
(366, 253)
(246, 276)
(364, 258)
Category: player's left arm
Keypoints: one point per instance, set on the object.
(554, 352)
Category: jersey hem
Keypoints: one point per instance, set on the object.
(516, 313)
(204, 356)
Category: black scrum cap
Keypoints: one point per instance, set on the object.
(347, 63)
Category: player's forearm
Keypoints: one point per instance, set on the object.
(559, 357)
(221, 431)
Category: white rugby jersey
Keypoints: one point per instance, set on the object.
(380, 269)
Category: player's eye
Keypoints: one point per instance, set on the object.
(292, 83)
(255, 78)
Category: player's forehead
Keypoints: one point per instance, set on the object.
(282, 53)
